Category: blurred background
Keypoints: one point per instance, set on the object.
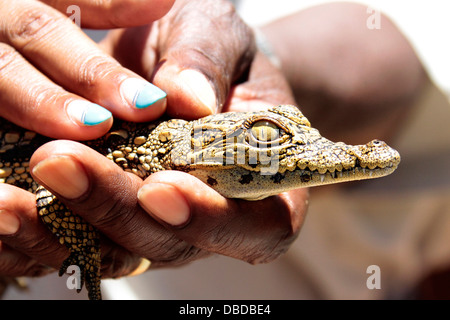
(399, 223)
(424, 23)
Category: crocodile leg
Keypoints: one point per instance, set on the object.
(81, 238)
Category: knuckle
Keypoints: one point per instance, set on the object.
(14, 264)
(271, 250)
(173, 251)
(44, 95)
(21, 267)
(34, 269)
(7, 56)
(93, 69)
(38, 97)
(161, 246)
(254, 249)
(9, 267)
(31, 25)
(229, 243)
(44, 249)
(188, 254)
(119, 262)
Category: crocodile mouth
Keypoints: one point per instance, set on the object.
(316, 177)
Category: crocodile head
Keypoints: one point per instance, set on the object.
(257, 154)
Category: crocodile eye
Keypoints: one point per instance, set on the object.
(265, 131)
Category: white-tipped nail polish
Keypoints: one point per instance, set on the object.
(140, 93)
(87, 113)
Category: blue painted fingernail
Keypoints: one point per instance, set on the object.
(141, 94)
(87, 113)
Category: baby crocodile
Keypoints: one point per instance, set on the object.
(247, 155)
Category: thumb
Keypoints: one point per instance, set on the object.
(202, 52)
(253, 231)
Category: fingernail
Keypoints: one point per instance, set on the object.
(87, 113)
(9, 223)
(63, 175)
(141, 94)
(165, 203)
(200, 88)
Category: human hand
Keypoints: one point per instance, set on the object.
(197, 54)
(255, 231)
(56, 81)
(241, 79)
(52, 78)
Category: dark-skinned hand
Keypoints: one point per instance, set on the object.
(171, 218)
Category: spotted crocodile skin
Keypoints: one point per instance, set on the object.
(248, 155)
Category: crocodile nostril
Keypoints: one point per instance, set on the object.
(377, 142)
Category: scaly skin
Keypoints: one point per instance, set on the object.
(249, 155)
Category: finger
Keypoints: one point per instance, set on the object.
(31, 100)
(16, 264)
(111, 14)
(198, 61)
(22, 230)
(75, 62)
(254, 231)
(105, 195)
(28, 248)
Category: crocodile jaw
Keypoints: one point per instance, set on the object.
(302, 169)
(248, 185)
